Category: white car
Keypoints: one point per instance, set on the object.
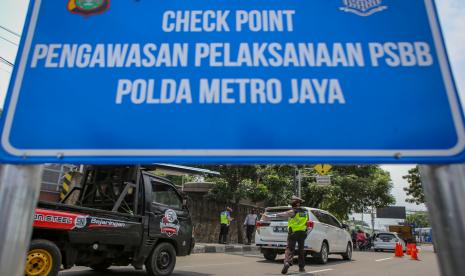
(387, 241)
(327, 236)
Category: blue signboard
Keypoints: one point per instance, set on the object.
(349, 81)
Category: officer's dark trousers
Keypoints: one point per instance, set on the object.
(223, 233)
(293, 239)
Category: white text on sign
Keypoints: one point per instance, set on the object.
(218, 54)
(218, 21)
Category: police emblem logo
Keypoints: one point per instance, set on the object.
(80, 222)
(363, 7)
(169, 224)
(88, 7)
(171, 216)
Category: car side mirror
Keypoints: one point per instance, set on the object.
(345, 226)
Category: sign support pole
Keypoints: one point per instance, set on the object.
(19, 193)
(445, 192)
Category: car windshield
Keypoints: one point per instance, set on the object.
(271, 214)
(386, 236)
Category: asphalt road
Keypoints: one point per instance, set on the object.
(363, 264)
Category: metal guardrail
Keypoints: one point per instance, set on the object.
(53, 176)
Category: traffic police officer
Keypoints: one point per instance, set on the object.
(225, 221)
(297, 233)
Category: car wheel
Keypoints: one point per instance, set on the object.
(376, 250)
(162, 260)
(270, 255)
(43, 258)
(348, 255)
(102, 266)
(322, 257)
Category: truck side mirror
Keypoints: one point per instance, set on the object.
(184, 203)
(184, 200)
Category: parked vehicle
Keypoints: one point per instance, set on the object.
(364, 245)
(363, 241)
(387, 241)
(328, 235)
(405, 232)
(124, 215)
(424, 234)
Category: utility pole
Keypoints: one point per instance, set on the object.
(373, 219)
(19, 193)
(444, 191)
(297, 181)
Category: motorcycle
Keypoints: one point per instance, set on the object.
(364, 245)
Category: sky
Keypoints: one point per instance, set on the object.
(451, 14)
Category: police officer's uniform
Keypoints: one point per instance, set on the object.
(297, 233)
(224, 230)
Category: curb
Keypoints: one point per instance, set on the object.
(221, 248)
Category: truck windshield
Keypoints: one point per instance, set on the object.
(166, 195)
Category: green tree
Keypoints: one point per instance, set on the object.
(316, 195)
(378, 190)
(420, 219)
(378, 193)
(415, 189)
(230, 182)
(232, 186)
(280, 189)
(349, 192)
(254, 191)
(279, 181)
(353, 189)
(222, 191)
(272, 184)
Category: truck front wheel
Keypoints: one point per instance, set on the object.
(43, 259)
(162, 260)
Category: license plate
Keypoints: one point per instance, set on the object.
(280, 229)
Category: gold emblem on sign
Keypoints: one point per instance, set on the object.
(323, 169)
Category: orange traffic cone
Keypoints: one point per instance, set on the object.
(399, 252)
(409, 248)
(414, 253)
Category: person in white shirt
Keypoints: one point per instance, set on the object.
(249, 224)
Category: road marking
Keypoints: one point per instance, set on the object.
(311, 272)
(207, 265)
(323, 270)
(385, 259)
